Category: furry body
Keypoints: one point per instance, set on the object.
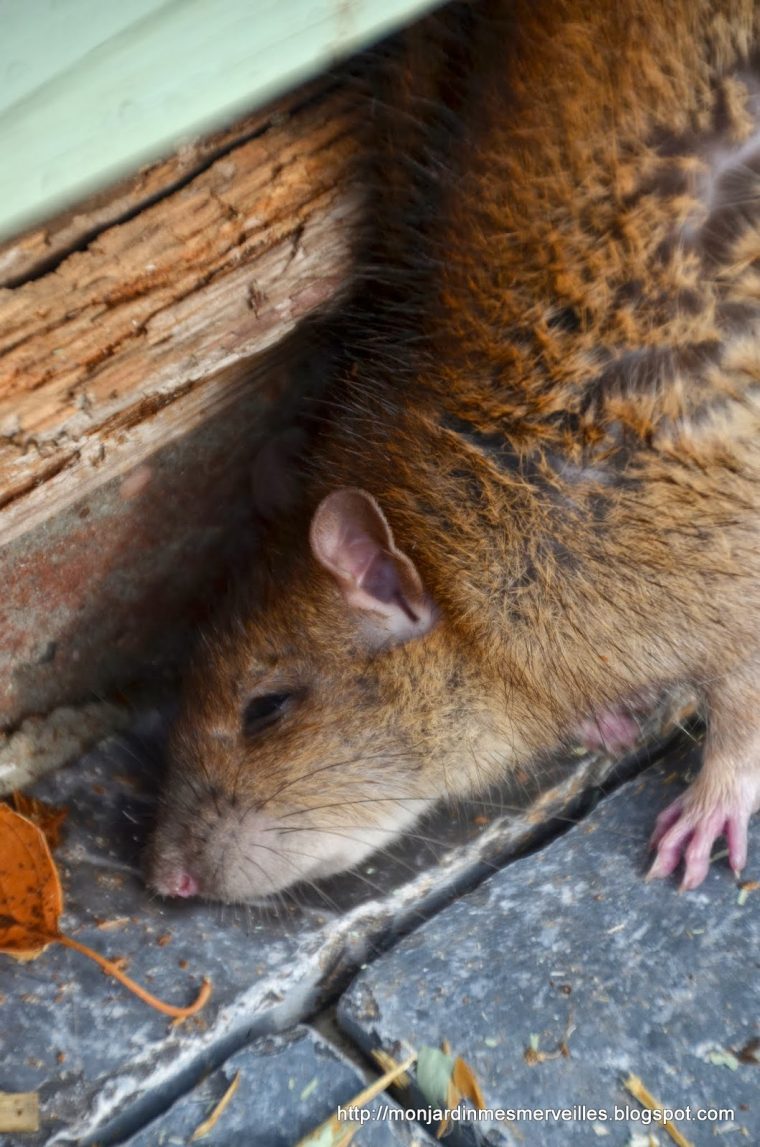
(552, 418)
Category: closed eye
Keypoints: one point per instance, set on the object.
(261, 712)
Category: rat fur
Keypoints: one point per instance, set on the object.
(536, 502)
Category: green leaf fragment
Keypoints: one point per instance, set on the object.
(722, 1058)
(434, 1071)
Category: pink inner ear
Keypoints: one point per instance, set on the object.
(381, 582)
(351, 538)
(369, 567)
(349, 550)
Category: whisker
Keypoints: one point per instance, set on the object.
(357, 801)
(360, 759)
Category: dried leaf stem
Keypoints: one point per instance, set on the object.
(147, 997)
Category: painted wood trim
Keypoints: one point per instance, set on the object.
(92, 89)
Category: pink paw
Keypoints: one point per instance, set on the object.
(687, 831)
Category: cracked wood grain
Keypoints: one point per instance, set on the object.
(212, 274)
(41, 249)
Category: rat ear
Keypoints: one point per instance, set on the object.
(350, 537)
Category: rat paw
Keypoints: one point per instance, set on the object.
(688, 829)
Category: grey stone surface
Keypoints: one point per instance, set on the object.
(289, 1085)
(102, 1061)
(571, 948)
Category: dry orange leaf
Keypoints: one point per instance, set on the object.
(31, 899)
(31, 902)
(464, 1085)
(45, 816)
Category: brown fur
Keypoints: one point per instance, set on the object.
(554, 399)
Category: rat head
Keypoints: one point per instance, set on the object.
(311, 729)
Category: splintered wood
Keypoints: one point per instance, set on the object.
(19, 1111)
(215, 272)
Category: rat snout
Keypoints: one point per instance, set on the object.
(176, 880)
(170, 872)
(246, 856)
(227, 855)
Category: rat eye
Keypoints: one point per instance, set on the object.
(263, 711)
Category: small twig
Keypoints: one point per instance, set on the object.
(636, 1088)
(209, 1124)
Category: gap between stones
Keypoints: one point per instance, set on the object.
(314, 1003)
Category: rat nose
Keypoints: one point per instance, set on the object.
(186, 885)
(179, 882)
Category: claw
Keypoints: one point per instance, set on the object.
(665, 821)
(736, 835)
(697, 852)
(669, 839)
(684, 831)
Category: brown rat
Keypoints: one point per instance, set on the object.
(538, 498)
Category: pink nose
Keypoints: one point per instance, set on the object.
(180, 883)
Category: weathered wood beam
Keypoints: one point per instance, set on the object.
(133, 384)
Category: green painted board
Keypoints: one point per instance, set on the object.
(92, 89)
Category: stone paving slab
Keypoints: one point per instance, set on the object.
(99, 1058)
(570, 949)
(288, 1086)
